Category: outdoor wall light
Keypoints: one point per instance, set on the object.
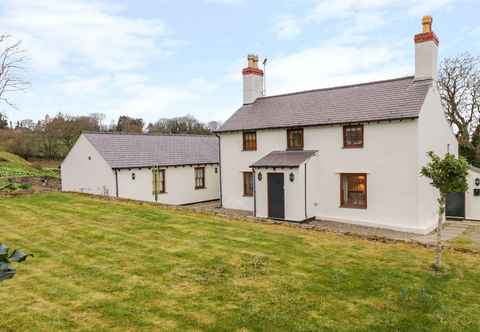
(133, 176)
(259, 176)
(477, 182)
(292, 177)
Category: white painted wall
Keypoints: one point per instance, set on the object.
(235, 161)
(426, 57)
(472, 203)
(434, 134)
(294, 193)
(389, 157)
(252, 87)
(79, 174)
(179, 182)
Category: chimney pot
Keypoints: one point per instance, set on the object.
(427, 24)
(252, 61)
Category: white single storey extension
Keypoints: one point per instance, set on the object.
(168, 169)
(466, 205)
(350, 154)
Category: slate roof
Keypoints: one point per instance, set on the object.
(284, 158)
(131, 150)
(383, 100)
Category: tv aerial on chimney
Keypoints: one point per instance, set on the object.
(265, 76)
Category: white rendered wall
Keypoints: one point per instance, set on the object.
(235, 161)
(80, 174)
(294, 193)
(389, 160)
(252, 87)
(389, 157)
(434, 134)
(472, 203)
(426, 57)
(179, 184)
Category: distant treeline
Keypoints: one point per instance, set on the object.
(53, 137)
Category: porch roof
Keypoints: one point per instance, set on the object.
(284, 159)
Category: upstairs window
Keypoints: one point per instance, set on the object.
(247, 183)
(353, 191)
(295, 139)
(199, 177)
(249, 141)
(353, 136)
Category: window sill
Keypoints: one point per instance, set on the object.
(353, 147)
(357, 207)
(247, 195)
(295, 149)
(200, 188)
(244, 150)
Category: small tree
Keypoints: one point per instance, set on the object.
(7, 257)
(448, 174)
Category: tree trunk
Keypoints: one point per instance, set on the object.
(441, 215)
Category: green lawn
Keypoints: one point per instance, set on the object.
(102, 266)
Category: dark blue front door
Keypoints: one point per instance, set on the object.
(276, 196)
(455, 205)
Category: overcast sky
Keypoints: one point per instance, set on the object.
(163, 58)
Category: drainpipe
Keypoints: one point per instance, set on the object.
(254, 193)
(305, 191)
(116, 182)
(220, 168)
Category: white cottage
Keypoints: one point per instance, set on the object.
(349, 154)
(168, 169)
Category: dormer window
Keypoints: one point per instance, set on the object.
(353, 136)
(249, 141)
(295, 139)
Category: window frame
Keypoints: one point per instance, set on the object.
(202, 177)
(246, 192)
(160, 177)
(289, 132)
(347, 205)
(245, 141)
(353, 146)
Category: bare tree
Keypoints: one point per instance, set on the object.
(459, 86)
(12, 68)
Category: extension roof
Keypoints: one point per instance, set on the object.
(400, 98)
(284, 159)
(134, 150)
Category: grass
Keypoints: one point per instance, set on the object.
(13, 166)
(466, 240)
(115, 266)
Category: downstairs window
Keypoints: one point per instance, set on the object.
(353, 190)
(247, 183)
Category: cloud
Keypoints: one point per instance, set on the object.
(61, 33)
(356, 17)
(88, 57)
(333, 65)
(287, 27)
(230, 2)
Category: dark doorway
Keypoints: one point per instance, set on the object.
(276, 196)
(455, 205)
